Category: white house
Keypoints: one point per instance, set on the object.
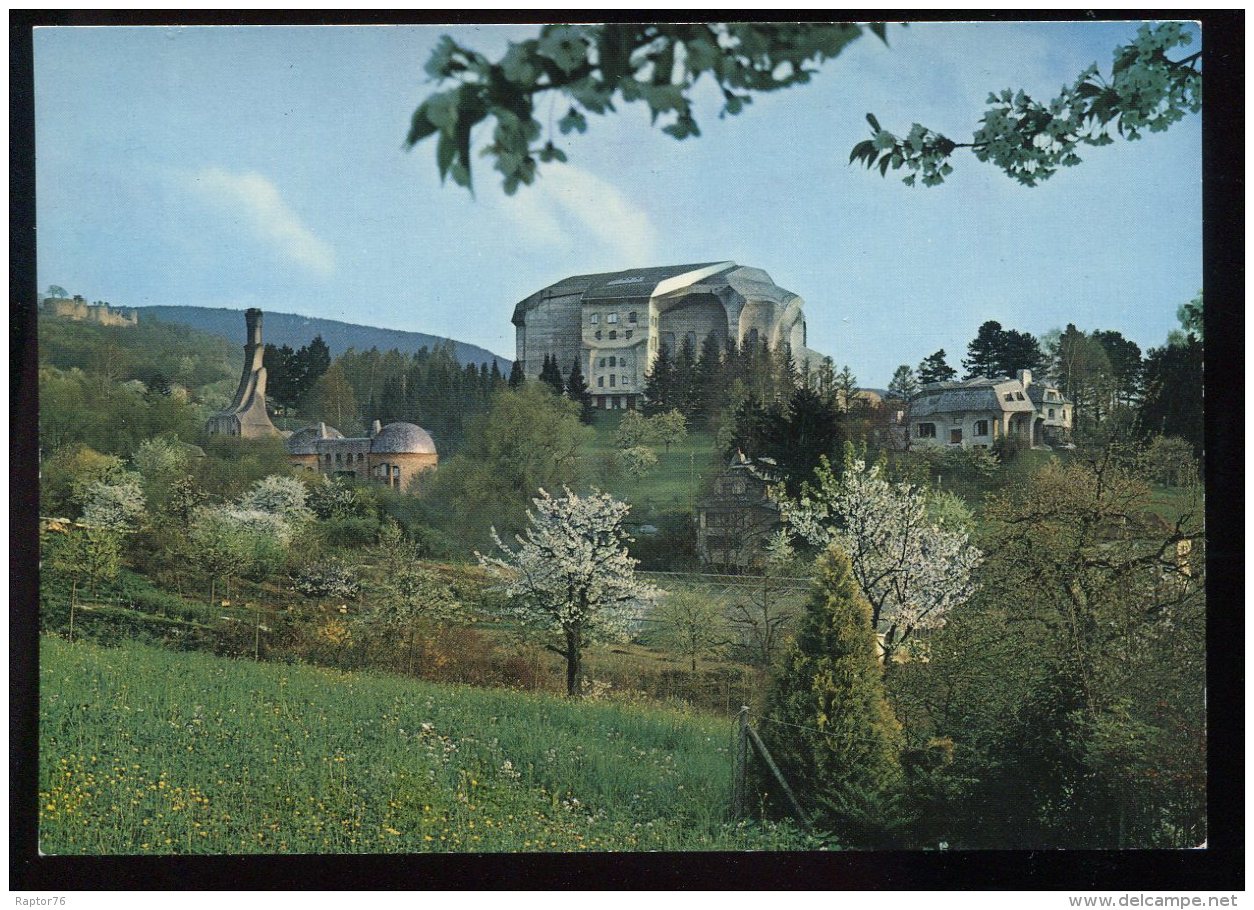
(978, 412)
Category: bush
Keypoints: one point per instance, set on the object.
(349, 533)
(1169, 460)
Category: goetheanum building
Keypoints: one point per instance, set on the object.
(614, 323)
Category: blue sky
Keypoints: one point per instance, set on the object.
(263, 166)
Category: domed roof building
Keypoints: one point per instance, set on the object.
(393, 455)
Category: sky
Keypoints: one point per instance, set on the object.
(264, 166)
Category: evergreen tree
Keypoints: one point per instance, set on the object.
(577, 391)
(516, 375)
(551, 375)
(935, 369)
(830, 685)
(659, 384)
(1173, 391)
(904, 385)
(392, 403)
(996, 352)
(705, 397)
(846, 388)
(685, 377)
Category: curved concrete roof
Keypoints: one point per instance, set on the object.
(305, 441)
(403, 438)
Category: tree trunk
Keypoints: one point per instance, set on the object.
(574, 667)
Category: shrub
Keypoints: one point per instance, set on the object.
(1169, 460)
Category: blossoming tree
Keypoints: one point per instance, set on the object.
(571, 576)
(911, 570)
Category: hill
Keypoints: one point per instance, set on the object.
(295, 330)
(151, 751)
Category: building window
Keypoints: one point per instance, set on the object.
(631, 317)
(612, 378)
(602, 362)
(596, 318)
(613, 361)
(955, 436)
(926, 431)
(338, 458)
(601, 379)
(981, 428)
(629, 334)
(612, 318)
(1018, 396)
(597, 336)
(625, 380)
(1051, 413)
(1064, 413)
(1010, 396)
(613, 334)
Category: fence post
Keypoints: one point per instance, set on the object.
(739, 763)
(770, 763)
(73, 601)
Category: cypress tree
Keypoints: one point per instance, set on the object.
(842, 742)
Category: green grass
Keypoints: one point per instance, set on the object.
(147, 751)
(670, 486)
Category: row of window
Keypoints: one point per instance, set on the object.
(614, 361)
(928, 431)
(1013, 396)
(613, 334)
(612, 318)
(601, 381)
(344, 458)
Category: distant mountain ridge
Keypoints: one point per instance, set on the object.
(295, 330)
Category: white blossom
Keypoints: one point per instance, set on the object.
(116, 505)
(571, 574)
(911, 570)
(282, 496)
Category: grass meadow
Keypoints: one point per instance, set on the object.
(146, 751)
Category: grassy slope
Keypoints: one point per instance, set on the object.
(670, 486)
(147, 751)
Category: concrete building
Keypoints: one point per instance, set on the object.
(978, 412)
(615, 323)
(247, 417)
(392, 455)
(79, 310)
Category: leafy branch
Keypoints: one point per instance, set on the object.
(1030, 141)
(591, 67)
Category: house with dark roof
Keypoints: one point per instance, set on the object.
(736, 516)
(975, 413)
(614, 323)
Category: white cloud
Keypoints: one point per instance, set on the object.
(570, 209)
(255, 202)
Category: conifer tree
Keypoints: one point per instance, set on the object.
(903, 384)
(935, 369)
(659, 384)
(846, 753)
(685, 376)
(577, 391)
(516, 375)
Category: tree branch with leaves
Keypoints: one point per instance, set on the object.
(1030, 140)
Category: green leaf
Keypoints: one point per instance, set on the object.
(884, 163)
(875, 124)
(420, 127)
(862, 149)
(444, 152)
(573, 121)
(880, 30)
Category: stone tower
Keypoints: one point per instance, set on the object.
(247, 417)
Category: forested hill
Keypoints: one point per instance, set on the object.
(291, 329)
